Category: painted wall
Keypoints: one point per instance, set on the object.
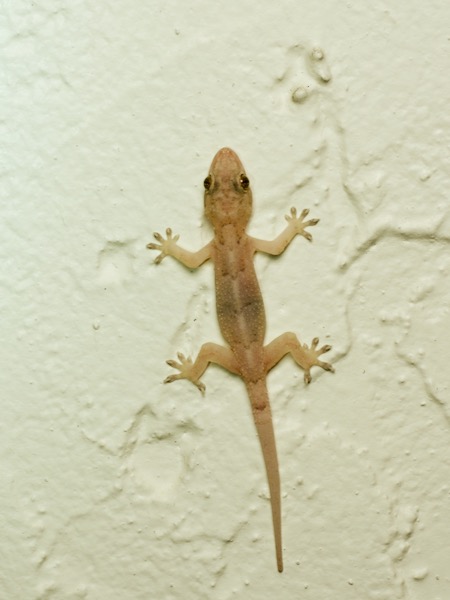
(115, 486)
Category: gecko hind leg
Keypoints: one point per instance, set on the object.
(305, 356)
(192, 371)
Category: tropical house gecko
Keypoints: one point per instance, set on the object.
(240, 308)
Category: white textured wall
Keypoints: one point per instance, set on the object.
(115, 486)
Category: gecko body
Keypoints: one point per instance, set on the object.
(240, 307)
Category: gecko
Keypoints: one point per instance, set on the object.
(240, 308)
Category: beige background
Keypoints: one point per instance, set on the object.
(115, 486)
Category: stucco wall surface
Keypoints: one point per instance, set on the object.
(116, 486)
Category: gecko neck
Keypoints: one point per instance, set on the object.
(229, 234)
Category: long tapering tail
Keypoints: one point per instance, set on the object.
(262, 417)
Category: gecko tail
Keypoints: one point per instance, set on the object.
(262, 417)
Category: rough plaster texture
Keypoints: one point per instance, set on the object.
(115, 486)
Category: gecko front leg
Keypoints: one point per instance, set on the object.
(169, 247)
(296, 226)
(192, 371)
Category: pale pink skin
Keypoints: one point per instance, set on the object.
(240, 307)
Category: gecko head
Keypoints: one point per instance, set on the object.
(228, 197)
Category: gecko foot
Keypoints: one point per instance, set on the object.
(185, 366)
(300, 224)
(312, 354)
(166, 246)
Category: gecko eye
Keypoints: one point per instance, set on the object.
(244, 181)
(207, 182)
